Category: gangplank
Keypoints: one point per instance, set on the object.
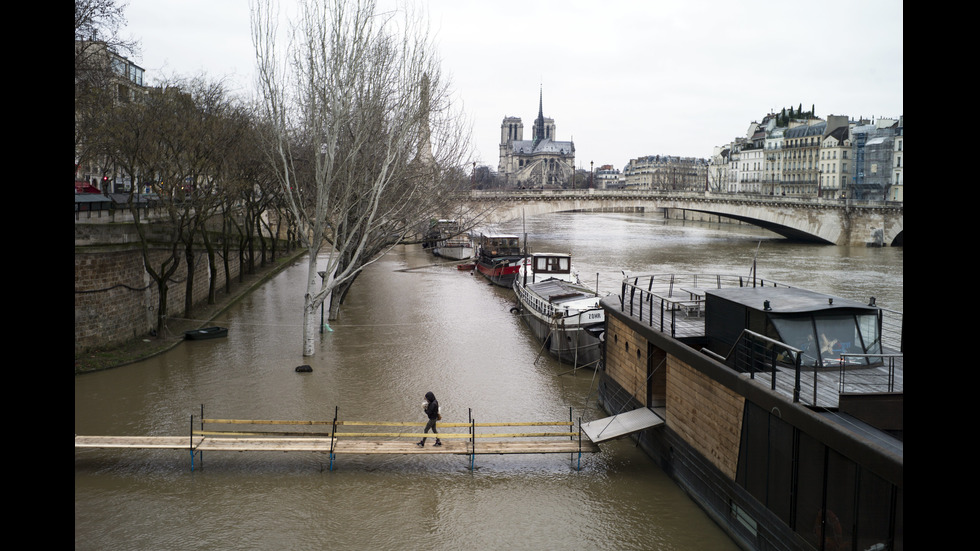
(367, 438)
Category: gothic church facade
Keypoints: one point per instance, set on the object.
(539, 162)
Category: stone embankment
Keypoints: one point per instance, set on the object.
(145, 346)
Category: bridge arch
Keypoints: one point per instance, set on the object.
(814, 220)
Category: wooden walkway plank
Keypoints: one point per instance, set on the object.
(336, 442)
(137, 442)
(340, 445)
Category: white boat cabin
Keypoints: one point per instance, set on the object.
(542, 266)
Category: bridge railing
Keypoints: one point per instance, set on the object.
(651, 194)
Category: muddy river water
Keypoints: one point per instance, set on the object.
(412, 324)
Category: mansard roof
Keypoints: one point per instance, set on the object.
(841, 134)
(806, 130)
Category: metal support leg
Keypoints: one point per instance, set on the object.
(571, 456)
(472, 439)
(190, 445)
(333, 435)
(200, 453)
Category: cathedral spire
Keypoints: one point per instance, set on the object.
(539, 124)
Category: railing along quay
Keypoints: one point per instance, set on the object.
(674, 304)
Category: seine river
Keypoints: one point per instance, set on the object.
(412, 324)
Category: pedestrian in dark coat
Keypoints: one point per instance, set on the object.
(431, 408)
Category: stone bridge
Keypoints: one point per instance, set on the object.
(836, 222)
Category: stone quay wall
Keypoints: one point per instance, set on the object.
(116, 300)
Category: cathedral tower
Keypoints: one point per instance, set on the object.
(539, 161)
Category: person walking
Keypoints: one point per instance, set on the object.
(431, 408)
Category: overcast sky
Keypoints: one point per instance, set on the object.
(622, 78)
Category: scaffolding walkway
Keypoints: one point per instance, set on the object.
(360, 437)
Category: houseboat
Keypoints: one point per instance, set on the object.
(779, 410)
(562, 313)
(499, 257)
(446, 239)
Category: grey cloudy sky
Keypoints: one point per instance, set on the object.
(621, 78)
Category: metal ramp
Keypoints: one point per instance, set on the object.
(622, 424)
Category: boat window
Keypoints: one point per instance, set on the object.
(823, 340)
(552, 264)
(838, 335)
(870, 333)
(798, 333)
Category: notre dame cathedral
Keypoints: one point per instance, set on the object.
(539, 162)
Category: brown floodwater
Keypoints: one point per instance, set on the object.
(414, 324)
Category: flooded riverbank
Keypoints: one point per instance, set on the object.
(411, 324)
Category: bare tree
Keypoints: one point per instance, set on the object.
(97, 41)
(363, 130)
(135, 141)
(173, 143)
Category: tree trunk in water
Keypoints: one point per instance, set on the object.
(337, 296)
(334, 305)
(310, 309)
(309, 326)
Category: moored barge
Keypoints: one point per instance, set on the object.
(499, 257)
(447, 239)
(563, 314)
(781, 409)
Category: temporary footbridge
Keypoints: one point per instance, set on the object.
(367, 438)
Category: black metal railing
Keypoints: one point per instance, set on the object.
(753, 353)
(667, 302)
(887, 378)
(663, 300)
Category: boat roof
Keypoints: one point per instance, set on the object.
(558, 291)
(499, 235)
(785, 300)
(551, 254)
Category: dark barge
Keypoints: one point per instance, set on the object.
(499, 257)
(782, 408)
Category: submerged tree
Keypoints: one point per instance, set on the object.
(363, 135)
